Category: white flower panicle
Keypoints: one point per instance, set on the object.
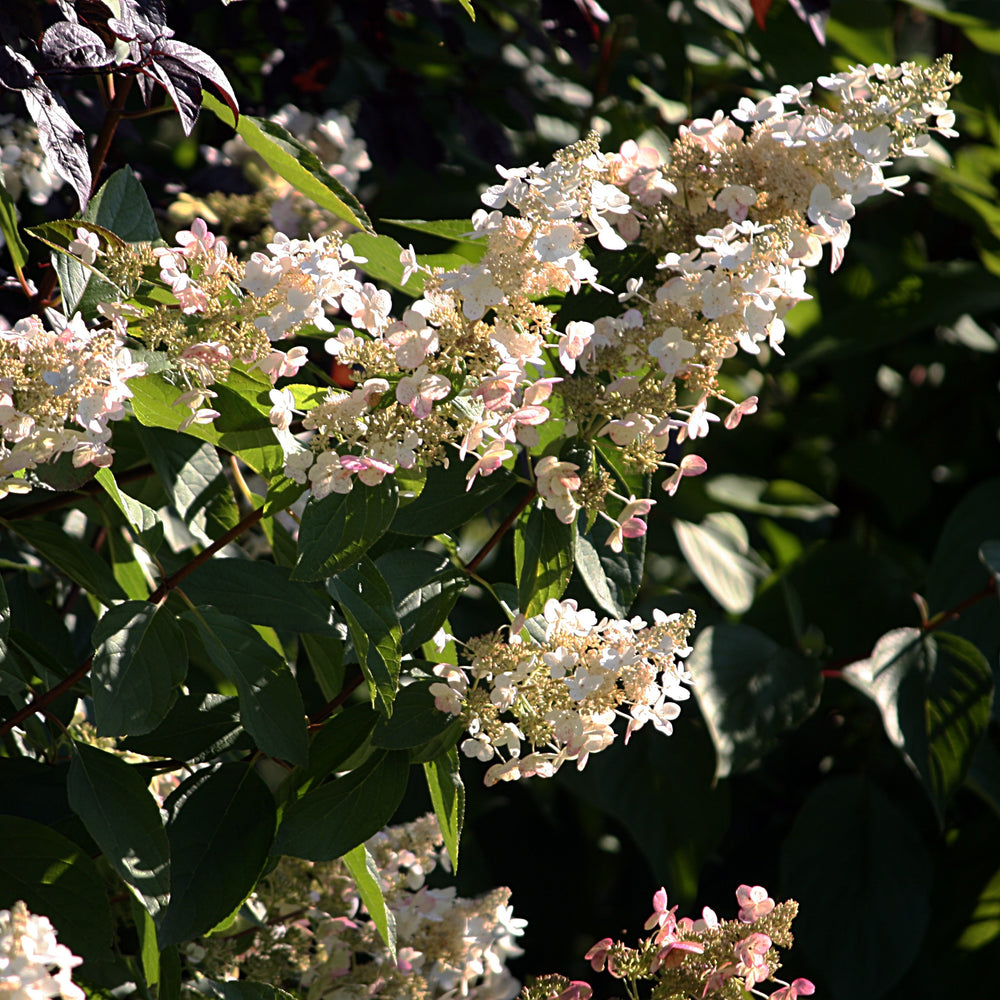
(532, 705)
(33, 965)
(319, 941)
(26, 167)
(476, 366)
(59, 389)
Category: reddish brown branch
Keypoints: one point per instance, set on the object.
(472, 565)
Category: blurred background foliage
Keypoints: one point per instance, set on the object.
(854, 503)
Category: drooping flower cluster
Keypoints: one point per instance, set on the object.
(58, 391)
(319, 942)
(683, 958)
(561, 696)
(33, 965)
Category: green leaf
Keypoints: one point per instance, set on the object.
(934, 691)
(192, 475)
(641, 788)
(243, 989)
(143, 520)
(444, 503)
(198, 727)
(454, 230)
(55, 878)
(326, 655)
(366, 877)
(270, 702)
(340, 739)
(139, 660)
(444, 782)
(543, 558)
(989, 556)
(750, 691)
(70, 556)
(367, 605)
(774, 498)
(295, 162)
(8, 226)
(220, 828)
(415, 720)
(856, 863)
(145, 928)
(259, 592)
(425, 587)
(122, 816)
(242, 429)
(718, 552)
(338, 529)
(121, 207)
(613, 578)
(328, 821)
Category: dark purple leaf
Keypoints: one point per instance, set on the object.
(182, 84)
(151, 12)
(202, 64)
(16, 73)
(72, 46)
(61, 138)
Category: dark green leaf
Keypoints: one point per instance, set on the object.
(425, 587)
(78, 561)
(366, 603)
(613, 578)
(270, 703)
(934, 692)
(750, 690)
(415, 720)
(326, 655)
(857, 864)
(123, 818)
(197, 728)
(191, 473)
(366, 877)
(243, 989)
(641, 786)
(296, 163)
(338, 529)
(339, 739)
(956, 572)
(139, 660)
(444, 783)
(543, 558)
(55, 877)
(444, 503)
(328, 821)
(259, 592)
(220, 830)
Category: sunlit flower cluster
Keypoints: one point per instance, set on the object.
(318, 940)
(477, 368)
(533, 705)
(683, 958)
(33, 965)
(59, 388)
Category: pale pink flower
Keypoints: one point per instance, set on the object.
(490, 460)
(691, 465)
(598, 954)
(796, 988)
(661, 916)
(754, 903)
(738, 412)
(196, 240)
